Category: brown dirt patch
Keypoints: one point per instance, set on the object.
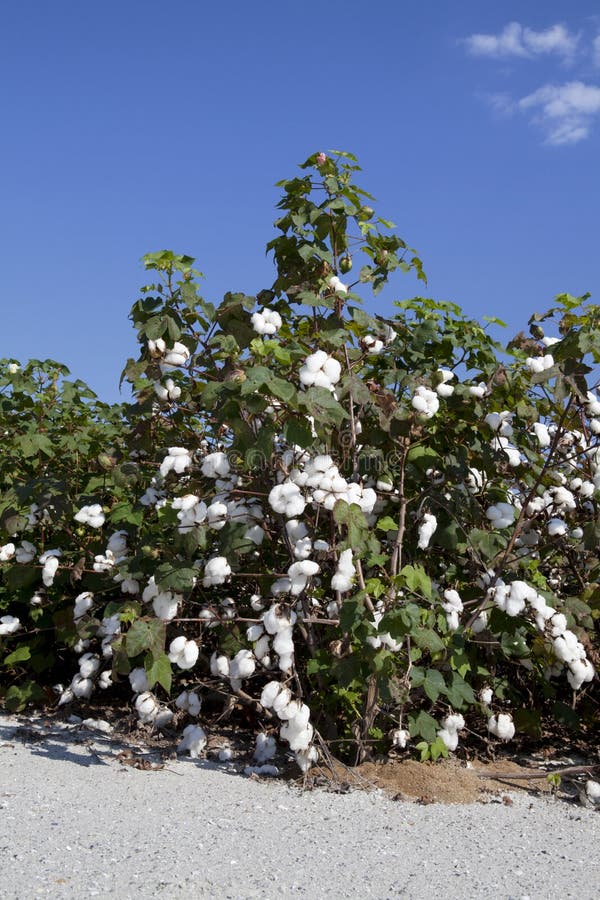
(446, 781)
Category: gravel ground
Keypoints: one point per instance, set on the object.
(75, 822)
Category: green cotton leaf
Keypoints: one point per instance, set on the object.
(21, 654)
(283, 390)
(434, 684)
(514, 645)
(282, 355)
(146, 634)
(298, 432)
(321, 404)
(154, 327)
(423, 725)
(18, 696)
(351, 613)
(424, 457)
(417, 580)
(459, 693)
(170, 578)
(158, 670)
(427, 639)
(387, 524)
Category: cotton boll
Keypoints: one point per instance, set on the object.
(242, 665)
(297, 739)
(90, 515)
(450, 738)
(266, 322)
(82, 687)
(183, 653)
(83, 603)
(287, 500)
(557, 527)
(105, 679)
(400, 738)
(285, 663)
(138, 680)
(281, 699)
(426, 530)
(344, 576)
(50, 563)
(501, 515)
(283, 643)
(23, 554)
(194, 741)
(165, 605)
(278, 619)
(8, 625)
(266, 747)
(270, 693)
(486, 696)
(480, 622)
(219, 665)
(592, 789)
(559, 624)
(216, 571)
(478, 390)
(443, 389)
(306, 758)
(502, 726)
(89, 664)
(337, 285)
(146, 706)
(190, 702)
(425, 402)
(542, 434)
(580, 672)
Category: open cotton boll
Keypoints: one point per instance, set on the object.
(592, 789)
(216, 571)
(177, 460)
(165, 605)
(542, 434)
(478, 390)
(297, 738)
(270, 692)
(539, 364)
(266, 747)
(194, 741)
(426, 530)
(25, 553)
(299, 573)
(81, 687)
(501, 444)
(443, 389)
(146, 706)
(372, 344)
(500, 422)
(486, 695)
(425, 402)
(580, 672)
(283, 643)
(287, 499)
(277, 618)
(183, 653)
(320, 370)
(266, 322)
(174, 357)
(139, 680)
(90, 515)
(448, 733)
(452, 607)
(190, 702)
(219, 665)
(49, 561)
(502, 726)
(400, 738)
(89, 664)
(557, 527)
(167, 392)
(216, 465)
(105, 679)
(281, 699)
(343, 578)
(501, 515)
(83, 603)
(9, 624)
(261, 648)
(242, 665)
(7, 551)
(306, 758)
(337, 285)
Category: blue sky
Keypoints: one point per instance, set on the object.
(139, 125)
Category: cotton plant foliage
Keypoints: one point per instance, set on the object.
(379, 530)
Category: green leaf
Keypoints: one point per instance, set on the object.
(417, 580)
(434, 684)
(21, 654)
(298, 432)
(387, 524)
(427, 639)
(158, 669)
(146, 634)
(423, 725)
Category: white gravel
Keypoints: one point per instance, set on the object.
(74, 822)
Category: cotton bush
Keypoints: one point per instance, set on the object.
(375, 530)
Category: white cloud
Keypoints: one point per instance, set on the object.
(596, 50)
(518, 40)
(565, 112)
